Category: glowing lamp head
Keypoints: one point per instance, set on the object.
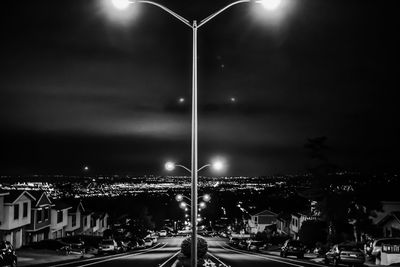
(169, 166)
(270, 4)
(202, 205)
(179, 197)
(86, 168)
(183, 205)
(217, 165)
(121, 4)
(206, 197)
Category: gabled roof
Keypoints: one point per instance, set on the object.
(393, 215)
(265, 213)
(41, 198)
(15, 195)
(75, 204)
(60, 205)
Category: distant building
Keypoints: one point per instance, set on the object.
(59, 219)
(15, 207)
(259, 221)
(39, 228)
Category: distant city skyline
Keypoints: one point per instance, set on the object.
(80, 88)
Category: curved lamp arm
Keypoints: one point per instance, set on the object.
(205, 166)
(179, 17)
(183, 167)
(204, 21)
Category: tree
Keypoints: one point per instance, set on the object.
(312, 232)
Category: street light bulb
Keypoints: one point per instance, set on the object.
(121, 4)
(218, 165)
(179, 197)
(183, 205)
(206, 197)
(202, 205)
(169, 166)
(270, 4)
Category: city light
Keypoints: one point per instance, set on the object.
(179, 197)
(202, 205)
(206, 197)
(183, 205)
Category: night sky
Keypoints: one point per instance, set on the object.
(81, 84)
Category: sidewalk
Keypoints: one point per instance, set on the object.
(29, 257)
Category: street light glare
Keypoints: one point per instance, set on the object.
(183, 205)
(218, 165)
(270, 4)
(179, 197)
(206, 197)
(121, 4)
(169, 166)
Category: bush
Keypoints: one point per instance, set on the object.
(202, 247)
(312, 232)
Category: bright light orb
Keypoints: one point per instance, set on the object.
(202, 205)
(218, 165)
(181, 100)
(270, 4)
(206, 197)
(183, 205)
(179, 197)
(86, 168)
(121, 4)
(169, 166)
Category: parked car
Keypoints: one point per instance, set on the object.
(122, 246)
(148, 242)
(254, 245)
(234, 241)
(345, 253)
(162, 233)
(293, 248)
(7, 254)
(108, 246)
(141, 243)
(75, 242)
(377, 245)
(242, 244)
(52, 244)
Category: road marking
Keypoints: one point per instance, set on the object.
(217, 259)
(109, 258)
(263, 257)
(273, 256)
(165, 262)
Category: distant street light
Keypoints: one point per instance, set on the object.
(123, 4)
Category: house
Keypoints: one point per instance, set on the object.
(59, 219)
(74, 218)
(387, 208)
(39, 228)
(297, 220)
(259, 221)
(390, 225)
(86, 221)
(15, 216)
(283, 224)
(99, 223)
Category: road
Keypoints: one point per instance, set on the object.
(163, 255)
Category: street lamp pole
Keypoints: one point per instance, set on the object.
(121, 4)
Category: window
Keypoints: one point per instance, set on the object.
(102, 223)
(25, 210)
(60, 216)
(46, 214)
(73, 220)
(16, 211)
(85, 221)
(39, 215)
(256, 219)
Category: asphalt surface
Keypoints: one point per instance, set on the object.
(163, 255)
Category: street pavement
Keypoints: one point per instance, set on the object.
(164, 254)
